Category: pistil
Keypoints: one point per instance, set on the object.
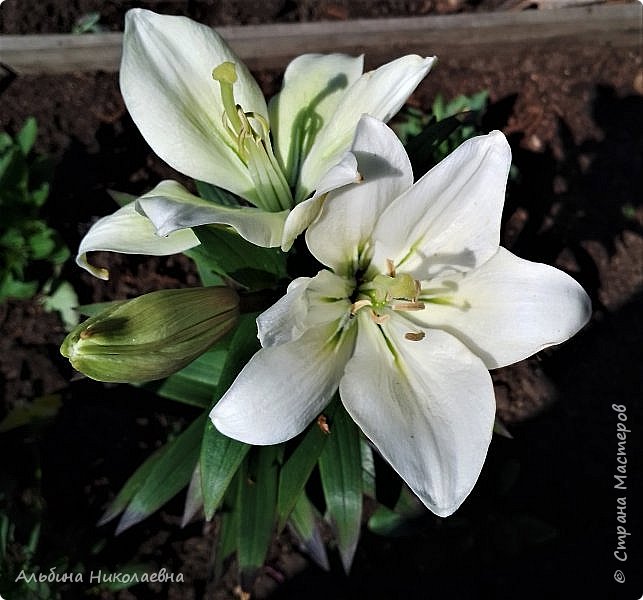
(252, 144)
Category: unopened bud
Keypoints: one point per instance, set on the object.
(152, 336)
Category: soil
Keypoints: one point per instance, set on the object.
(541, 522)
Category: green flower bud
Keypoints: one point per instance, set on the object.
(152, 336)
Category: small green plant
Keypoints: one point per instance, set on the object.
(26, 241)
(431, 136)
(88, 23)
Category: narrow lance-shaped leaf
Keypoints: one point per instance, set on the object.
(228, 538)
(169, 475)
(258, 506)
(304, 523)
(132, 485)
(194, 497)
(220, 455)
(300, 464)
(340, 466)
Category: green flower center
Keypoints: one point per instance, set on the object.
(393, 291)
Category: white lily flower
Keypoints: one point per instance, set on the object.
(202, 112)
(417, 303)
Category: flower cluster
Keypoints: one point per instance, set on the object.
(416, 300)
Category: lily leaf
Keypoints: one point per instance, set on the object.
(227, 254)
(304, 523)
(258, 506)
(221, 455)
(169, 474)
(340, 466)
(299, 466)
(220, 459)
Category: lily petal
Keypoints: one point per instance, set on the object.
(450, 218)
(283, 388)
(511, 308)
(309, 303)
(429, 408)
(172, 208)
(313, 86)
(282, 322)
(381, 94)
(350, 213)
(306, 212)
(166, 82)
(128, 232)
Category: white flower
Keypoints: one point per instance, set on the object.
(418, 302)
(201, 111)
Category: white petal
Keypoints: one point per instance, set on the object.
(283, 388)
(312, 87)
(171, 207)
(381, 94)
(511, 308)
(450, 219)
(166, 82)
(429, 409)
(340, 236)
(282, 322)
(306, 212)
(128, 232)
(309, 303)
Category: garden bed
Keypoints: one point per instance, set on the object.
(542, 520)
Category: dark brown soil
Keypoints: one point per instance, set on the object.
(541, 523)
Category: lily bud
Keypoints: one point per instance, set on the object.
(152, 336)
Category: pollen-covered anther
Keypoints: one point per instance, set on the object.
(414, 336)
(390, 267)
(407, 306)
(379, 319)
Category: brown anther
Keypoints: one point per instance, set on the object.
(322, 423)
(86, 333)
(414, 336)
(379, 319)
(408, 306)
(390, 267)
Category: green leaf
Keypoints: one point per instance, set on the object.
(170, 473)
(398, 521)
(226, 254)
(243, 345)
(340, 467)
(44, 407)
(194, 497)
(220, 455)
(299, 466)
(63, 300)
(228, 538)
(304, 522)
(91, 310)
(220, 459)
(132, 485)
(257, 504)
(121, 198)
(196, 383)
(27, 135)
(215, 194)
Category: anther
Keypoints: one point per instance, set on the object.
(408, 306)
(414, 336)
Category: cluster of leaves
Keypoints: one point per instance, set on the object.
(327, 469)
(430, 137)
(26, 241)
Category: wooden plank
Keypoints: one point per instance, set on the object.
(271, 46)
